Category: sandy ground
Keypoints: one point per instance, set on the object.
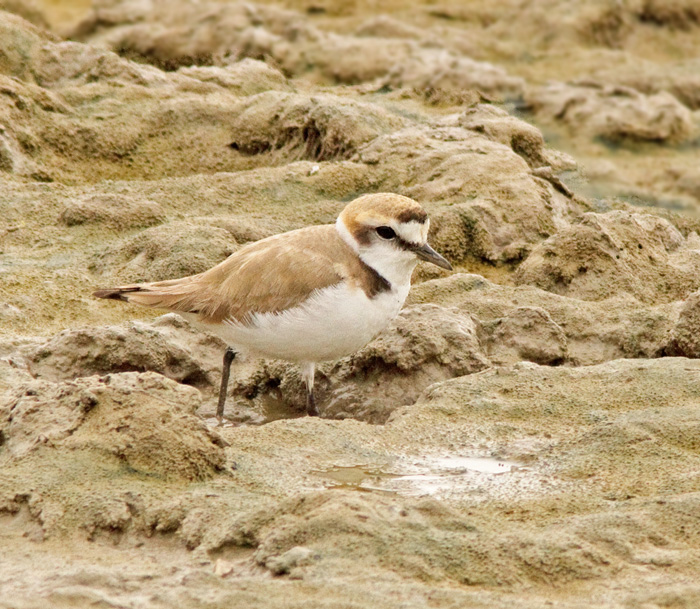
(525, 434)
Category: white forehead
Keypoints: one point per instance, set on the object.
(413, 232)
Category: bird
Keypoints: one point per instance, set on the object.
(310, 295)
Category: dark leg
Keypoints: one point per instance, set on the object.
(307, 373)
(311, 409)
(229, 356)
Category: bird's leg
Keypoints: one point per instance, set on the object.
(311, 409)
(307, 372)
(229, 356)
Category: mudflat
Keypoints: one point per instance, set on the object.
(526, 432)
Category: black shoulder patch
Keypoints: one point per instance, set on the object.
(377, 283)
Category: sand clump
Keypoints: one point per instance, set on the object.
(527, 334)
(636, 254)
(595, 331)
(523, 138)
(168, 346)
(684, 338)
(115, 211)
(192, 36)
(485, 219)
(82, 111)
(168, 251)
(320, 128)
(27, 9)
(245, 77)
(616, 114)
(443, 78)
(99, 414)
(680, 78)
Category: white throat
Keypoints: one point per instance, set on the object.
(396, 266)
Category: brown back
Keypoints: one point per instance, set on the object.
(268, 276)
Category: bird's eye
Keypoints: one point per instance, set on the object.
(386, 232)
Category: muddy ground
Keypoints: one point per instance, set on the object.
(525, 434)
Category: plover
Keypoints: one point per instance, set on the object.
(310, 295)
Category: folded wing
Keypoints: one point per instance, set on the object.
(268, 276)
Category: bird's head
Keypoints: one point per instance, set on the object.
(389, 232)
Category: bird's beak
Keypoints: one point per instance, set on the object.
(427, 253)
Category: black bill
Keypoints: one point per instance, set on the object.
(427, 253)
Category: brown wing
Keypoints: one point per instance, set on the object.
(271, 275)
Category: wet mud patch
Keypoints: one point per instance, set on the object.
(434, 477)
(422, 505)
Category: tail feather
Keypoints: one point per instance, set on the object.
(116, 293)
(175, 295)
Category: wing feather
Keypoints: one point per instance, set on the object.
(271, 275)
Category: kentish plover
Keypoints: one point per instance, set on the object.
(306, 296)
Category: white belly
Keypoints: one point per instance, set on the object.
(334, 322)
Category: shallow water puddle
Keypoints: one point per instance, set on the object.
(356, 478)
(429, 476)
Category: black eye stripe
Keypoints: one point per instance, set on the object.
(407, 245)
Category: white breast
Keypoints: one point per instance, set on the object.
(332, 323)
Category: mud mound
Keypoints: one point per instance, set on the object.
(616, 114)
(115, 211)
(443, 545)
(594, 331)
(168, 346)
(169, 251)
(686, 334)
(442, 77)
(497, 207)
(11, 377)
(19, 145)
(245, 77)
(681, 79)
(637, 254)
(359, 59)
(617, 25)
(176, 34)
(19, 42)
(688, 180)
(384, 26)
(526, 333)
(521, 137)
(145, 420)
(622, 444)
(27, 9)
(608, 432)
(184, 35)
(425, 344)
(681, 14)
(69, 64)
(317, 128)
(60, 118)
